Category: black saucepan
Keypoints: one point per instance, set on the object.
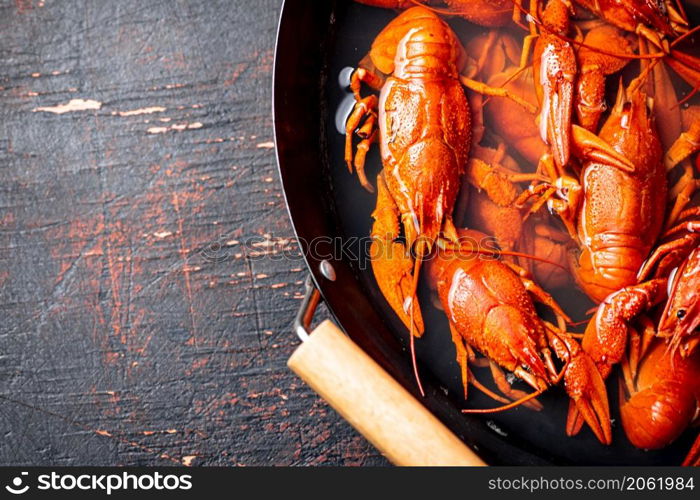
(331, 216)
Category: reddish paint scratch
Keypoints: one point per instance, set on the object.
(197, 365)
(177, 61)
(72, 245)
(23, 6)
(118, 264)
(237, 72)
(8, 219)
(111, 358)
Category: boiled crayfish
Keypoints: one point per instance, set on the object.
(612, 329)
(665, 392)
(424, 130)
(679, 257)
(662, 398)
(615, 210)
(424, 133)
(614, 189)
(489, 305)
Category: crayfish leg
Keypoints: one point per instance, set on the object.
(462, 357)
(363, 75)
(482, 88)
(686, 144)
(364, 108)
(666, 106)
(540, 294)
(669, 254)
(515, 394)
(682, 193)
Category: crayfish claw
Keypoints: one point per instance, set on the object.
(392, 263)
(393, 267)
(586, 388)
(591, 147)
(574, 420)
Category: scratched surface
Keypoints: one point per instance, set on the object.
(145, 304)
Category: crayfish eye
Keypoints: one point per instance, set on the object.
(680, 314)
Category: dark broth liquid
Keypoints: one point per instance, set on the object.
(542, 433)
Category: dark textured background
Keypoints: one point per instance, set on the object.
(145, 309)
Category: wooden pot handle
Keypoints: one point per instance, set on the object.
(375, 404)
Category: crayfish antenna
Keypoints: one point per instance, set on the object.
(533, 257)
(693, 457)
(470, 250)
(536, 21)
(438, 10)
(473, 380)
(509, 406)
(412, 334)
(683, 64)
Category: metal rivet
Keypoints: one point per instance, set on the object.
(327, 270)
